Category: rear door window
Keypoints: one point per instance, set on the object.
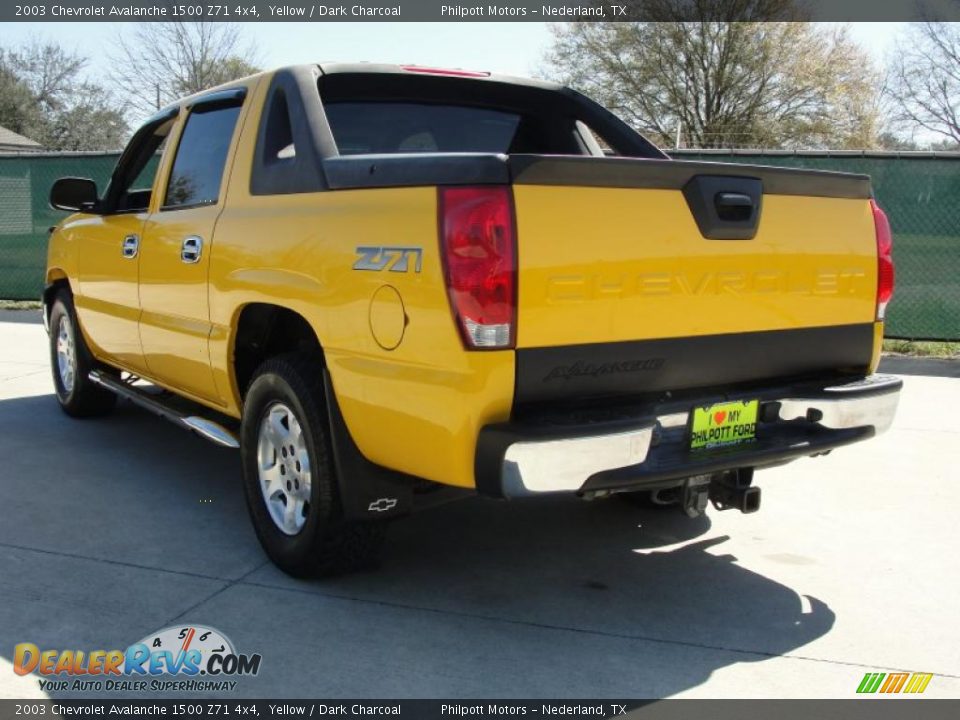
(201, 156)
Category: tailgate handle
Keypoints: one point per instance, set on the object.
(725, 207)
(733, 206)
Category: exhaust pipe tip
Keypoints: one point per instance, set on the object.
(666, 496)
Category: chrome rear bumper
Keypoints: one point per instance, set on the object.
(868, 402)
(534, 460)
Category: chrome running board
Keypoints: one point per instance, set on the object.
(205, 428)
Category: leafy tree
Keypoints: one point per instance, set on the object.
(162, 62)
(889, 140)
(43, 96)
(87, 124)
(925, 79)
(19, 110)
(746, 81)
(48, 70)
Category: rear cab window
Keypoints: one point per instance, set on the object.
(382, 112)
(395, 113)
(372, 127)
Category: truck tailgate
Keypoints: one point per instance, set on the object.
(620, 291)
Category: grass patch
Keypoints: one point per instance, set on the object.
(922, 348)
(20, 305)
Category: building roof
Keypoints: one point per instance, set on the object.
(9, 140)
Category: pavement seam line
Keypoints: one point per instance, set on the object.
(584, 631)
(122, 563)
(218, 591)
(25, 375)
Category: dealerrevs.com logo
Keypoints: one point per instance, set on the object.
(178, 658)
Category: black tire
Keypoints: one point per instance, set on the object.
(326, 544)
(82, 398)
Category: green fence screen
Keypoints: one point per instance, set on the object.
(26, 215)
(920, 192)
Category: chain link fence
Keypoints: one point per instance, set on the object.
(919, 191)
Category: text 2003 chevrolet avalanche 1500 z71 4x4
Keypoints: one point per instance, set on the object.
(377, 281)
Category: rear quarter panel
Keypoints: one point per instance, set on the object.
(416, 408)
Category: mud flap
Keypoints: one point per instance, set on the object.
(367, 491)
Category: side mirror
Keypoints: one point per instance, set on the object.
(74, 194)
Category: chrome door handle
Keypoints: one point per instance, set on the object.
(191, 249)
(130, 247)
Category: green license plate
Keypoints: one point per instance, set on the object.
(724, 424)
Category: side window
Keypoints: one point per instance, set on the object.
(201, 157)
(278, 143)
(136, 198)
(286, 159)
(144, 180)
(132, 181)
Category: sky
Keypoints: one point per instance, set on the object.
(507, 48)
(502, 48)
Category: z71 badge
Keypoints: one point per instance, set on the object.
(394, 259)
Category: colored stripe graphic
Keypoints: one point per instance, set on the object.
(918, 682)
(894, 683)
(870, 682)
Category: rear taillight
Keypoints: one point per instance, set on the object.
(885, 273)
(478, 246)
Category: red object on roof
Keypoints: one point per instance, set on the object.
(444, 71)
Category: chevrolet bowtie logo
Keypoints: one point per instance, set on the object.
(382, 505)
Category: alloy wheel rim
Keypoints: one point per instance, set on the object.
(283, 466)
(66, 354)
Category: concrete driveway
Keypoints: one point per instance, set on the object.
(112, 529)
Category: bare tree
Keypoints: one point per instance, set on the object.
(165, 61)
(925, 78)
(732, 83)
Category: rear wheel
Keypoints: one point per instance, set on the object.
(71, 363)
(289, 476)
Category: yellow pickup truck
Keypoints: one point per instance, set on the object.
(381, 283)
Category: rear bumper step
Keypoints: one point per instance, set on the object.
(520, 459)
(204, 427)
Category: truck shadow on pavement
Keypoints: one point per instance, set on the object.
(477, 598)
(931, 367)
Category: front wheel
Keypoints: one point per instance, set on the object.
(71, 362)
(289, 476)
